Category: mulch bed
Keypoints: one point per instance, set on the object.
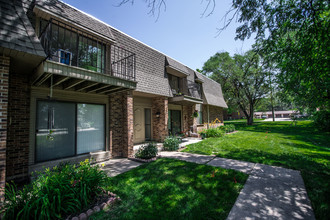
(144, 160)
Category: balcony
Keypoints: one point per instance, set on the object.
(89, 62)
(186, 92)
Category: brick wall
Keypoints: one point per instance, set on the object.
(128, 124)
(215, 113)
(4, 75)
(188, 120)
(191, 120)
(160, 129)
(185, 117)
(121, 125)
(18, 127)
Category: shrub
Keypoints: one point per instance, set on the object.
(147, 151)
(55, 193)
(171, 143)
(214, 132)
(228, 128)
(322, 120)
(203, 133)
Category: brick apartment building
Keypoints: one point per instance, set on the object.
(73, 87)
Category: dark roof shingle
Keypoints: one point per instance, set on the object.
(65, 11)
(16, 30)
(212, 92)
(176, 65)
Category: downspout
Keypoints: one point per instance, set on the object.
(208, 116)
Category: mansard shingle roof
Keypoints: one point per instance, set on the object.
(16, 31)
(66, 11)
(212, 92)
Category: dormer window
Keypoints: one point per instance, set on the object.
(176, 84)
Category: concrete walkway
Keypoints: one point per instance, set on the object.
(114, 167)
(269, 192)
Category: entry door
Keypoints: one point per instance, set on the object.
(147, 123)
(174, 122)
(139, 125)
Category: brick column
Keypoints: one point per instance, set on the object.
(128, 125)
(188, 120)
(185, 118)
(192, 122)
(160, 129)
(4, 81)
(121, 125)
(17, 161)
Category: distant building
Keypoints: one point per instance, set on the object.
(278, 114)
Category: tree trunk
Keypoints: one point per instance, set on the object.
(250, 117)
(250, 120)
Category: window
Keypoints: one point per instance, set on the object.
(70, 47)
(66, 129)
(175, 84)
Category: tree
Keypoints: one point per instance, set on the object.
(295, 35)
(243, 79)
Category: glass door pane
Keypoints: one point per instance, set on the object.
(175, 122)
(90, 128)
(55, 130)
(147, 119)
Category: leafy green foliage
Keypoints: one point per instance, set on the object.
(322, 119)
(174, 189)
(171, 143)
(228, 128)
(147, 151)
(242, 77)
(297, 41)
(302, 147)
(55, 193)
(214, 132)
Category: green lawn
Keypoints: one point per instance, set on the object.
(278, 143)
(173, 189)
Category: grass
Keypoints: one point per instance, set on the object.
(168, 188)
(278, 143)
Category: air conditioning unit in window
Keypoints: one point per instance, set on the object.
(63, 56)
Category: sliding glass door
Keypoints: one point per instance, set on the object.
(65, 129)
(55, 130)
(90, 128)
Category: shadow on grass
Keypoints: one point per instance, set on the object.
(291, 161)
(168, 188)
(301, 148)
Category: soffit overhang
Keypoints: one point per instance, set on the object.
(185, 100)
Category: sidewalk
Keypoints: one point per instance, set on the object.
(269, 193)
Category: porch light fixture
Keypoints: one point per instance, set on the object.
(157, 114)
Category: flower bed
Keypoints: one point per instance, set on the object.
(144, 160)
(56, 192)
(103, 202)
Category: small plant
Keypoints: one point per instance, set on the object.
(147, 151)
(203, 133)
(228, 128)
(171, 143)
(195, 114)
(214, 132)
(55, 193)
(183, 134)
